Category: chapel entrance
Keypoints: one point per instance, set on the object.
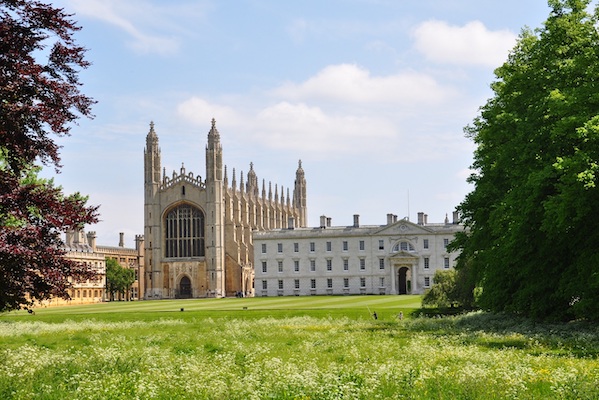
(402, 280)
(185, 288)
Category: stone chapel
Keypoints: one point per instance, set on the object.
(198, 232)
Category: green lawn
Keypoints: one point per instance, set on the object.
(290, 348)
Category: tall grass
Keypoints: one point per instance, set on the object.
(273, 354)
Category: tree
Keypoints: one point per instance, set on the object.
(532, 232)
(39, 97)
(118, 278)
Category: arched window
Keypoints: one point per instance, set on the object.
(184, 232)
(403, 246)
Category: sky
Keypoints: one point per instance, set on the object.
(372, 96)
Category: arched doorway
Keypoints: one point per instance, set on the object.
(402, 280)
(184, 288)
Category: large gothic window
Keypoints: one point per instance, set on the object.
(184, 232)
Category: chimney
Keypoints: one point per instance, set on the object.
(291, 223)
(389, 219)
(421, 218)
(394, 218)
(328, 222)
(121, 239)
(456, 217)
(356, 220)
(323, 221)
(91, 240)
(425, 219)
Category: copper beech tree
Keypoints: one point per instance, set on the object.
(39, 100)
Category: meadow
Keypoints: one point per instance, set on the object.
(290, 348)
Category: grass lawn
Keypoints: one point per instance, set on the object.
(289, 348)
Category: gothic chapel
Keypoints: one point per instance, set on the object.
(198, 232)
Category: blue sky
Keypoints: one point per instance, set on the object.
(371, 95)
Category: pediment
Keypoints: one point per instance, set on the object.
(403, 227)
(403, 256)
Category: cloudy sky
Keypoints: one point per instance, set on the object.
(371, 95)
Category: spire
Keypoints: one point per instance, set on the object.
(263, 189)
(252, 184)
(270, 191)
(241, 188)
(152, 137)
(234, 181)
(288, 200)
(276, 193)
(226, 178)
(213, 135)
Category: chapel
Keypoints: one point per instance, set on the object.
(198, 231)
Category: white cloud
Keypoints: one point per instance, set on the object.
(350, 83)
(471, 44)
(201, 112)
(127, 17)
(306, 128)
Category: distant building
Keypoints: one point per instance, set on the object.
(199, 231)
(81, 247)
(400, 257)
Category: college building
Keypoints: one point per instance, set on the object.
(400, 257)
(198, 231)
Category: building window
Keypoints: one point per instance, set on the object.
(381, 263)
(312, 247)
(296, 247)
(345, 264)
(403, 246)
(280, 264)
(263, 248)
(312, 283)
(296, 284)
(362, 264)
(381, 281)
(346, 283)
(264, 267)
(426, 262)
(362, 245)
(427, 281)
(345, 245)
(446, 262)
(296, 265)
(264, 285)
(445, 243)
(312, 265)
(280, 284)
(184, 232)
(381, 244)
(425, 243)
(329, 246)
(279, 247)
(330, 283)
(329, 265)
(363, 282)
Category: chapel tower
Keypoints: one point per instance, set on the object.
(151, 215)
(215, 250)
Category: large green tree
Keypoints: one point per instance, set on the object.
(532, 242)
(39, 99)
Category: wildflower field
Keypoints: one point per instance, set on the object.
(290, 348)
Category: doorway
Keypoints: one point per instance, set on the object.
(185, 288)
(402, 280)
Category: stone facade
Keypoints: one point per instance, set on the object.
(199, 231)
(400, 257)
(81, 247)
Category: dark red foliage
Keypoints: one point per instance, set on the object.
(39, 97)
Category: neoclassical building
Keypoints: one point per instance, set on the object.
(399, 257)
(198, 231)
